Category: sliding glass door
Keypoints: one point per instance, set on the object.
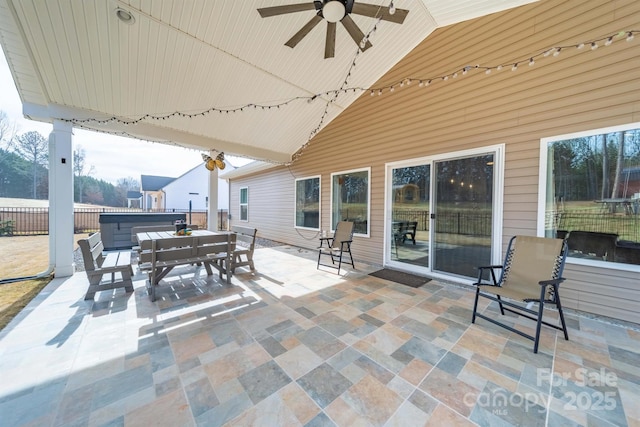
(409, 231)
(462, 214)
(442, 213)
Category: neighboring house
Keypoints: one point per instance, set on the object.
(478, 140)
(134, 199)
(629, 186)
(188, 191)
(408, 193)
(152, 191)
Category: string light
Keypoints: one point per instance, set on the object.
(555, 51)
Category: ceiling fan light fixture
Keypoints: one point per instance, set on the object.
(333, 11)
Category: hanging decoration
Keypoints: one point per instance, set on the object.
(212, 164)
(332, 95)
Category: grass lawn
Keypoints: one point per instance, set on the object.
(15, 296)
(27, 256)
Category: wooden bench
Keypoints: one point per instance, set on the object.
(97, 264)
(159, 256)
(245, 244)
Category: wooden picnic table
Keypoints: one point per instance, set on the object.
(161, 251)
(154, 235)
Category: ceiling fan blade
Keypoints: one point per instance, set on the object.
(293, 41)
(330, 45)
(289, 8)
(348, 6)
(356, 34)
(381, 12)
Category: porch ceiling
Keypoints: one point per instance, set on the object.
(76, 60)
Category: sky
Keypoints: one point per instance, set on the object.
(112, 157)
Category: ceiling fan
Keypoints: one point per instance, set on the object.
(334, 11)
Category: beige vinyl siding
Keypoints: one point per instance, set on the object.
(576, 91)
(608, 292)
(270, 204)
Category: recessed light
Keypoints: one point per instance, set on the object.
(125, 16)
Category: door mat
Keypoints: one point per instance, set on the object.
(400, 277)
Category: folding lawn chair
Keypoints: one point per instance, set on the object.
(338, 246)
(532, 273)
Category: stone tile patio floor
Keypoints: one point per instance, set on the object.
(292, 346)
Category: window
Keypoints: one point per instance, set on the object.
(308, 203)
(244, 204)
(350, 199)
(592, 197)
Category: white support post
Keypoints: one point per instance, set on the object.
(61, 226)
(212, 214)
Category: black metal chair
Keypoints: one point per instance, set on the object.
(531, 273)
(409, 232)
(337, 246)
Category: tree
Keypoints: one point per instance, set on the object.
(605, 166)
(7, 129)
(123, 186)
(14, 175)
(619, 160)
(7, 133)
(129, 183)
(34, 148)
(79, 171)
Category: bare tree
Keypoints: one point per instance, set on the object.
(602, 140)
(124, 185)
(35, 148)
(615, 191)
(7, 129)
(79, 170)
(129, 183)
